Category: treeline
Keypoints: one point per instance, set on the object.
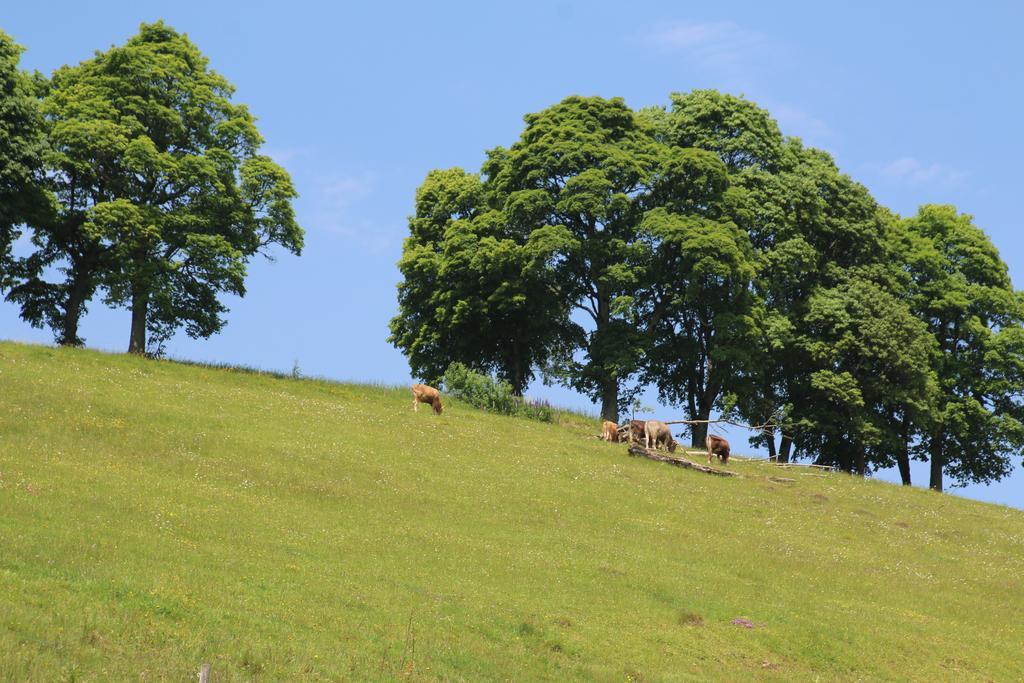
(138, 181)
(695, 249)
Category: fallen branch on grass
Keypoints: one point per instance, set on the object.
(763, 428)
(639, 451)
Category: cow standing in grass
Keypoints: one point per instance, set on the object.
(656, 433)
(421, 393)
(610, 431)
(717, 446)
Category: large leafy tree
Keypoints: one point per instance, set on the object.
(698, 306)
(812, 232)
(960, 288)
(867, 356)
(833, 234)
(557, 235)
(22, 142)
(163, 197)
(799, 224)
(814, 229)
(704, 331)
(578, 178)
(475, 290)
(722, 346)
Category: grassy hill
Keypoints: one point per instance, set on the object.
(154, 516)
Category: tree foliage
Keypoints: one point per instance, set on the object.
(868, 356)
(577, 178)
(23, 198)
(696, 249)
(559, 211)
(163, 196)
(961, 290)
(698, 306)
(475, 290)
(815, 230)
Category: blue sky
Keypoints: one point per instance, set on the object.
(359, 102)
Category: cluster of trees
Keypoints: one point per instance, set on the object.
(695, 249)
(138, 180)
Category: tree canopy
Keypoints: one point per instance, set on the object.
(163, 198)
(577, 178)
(475, 290)
(961, 290)
(695, 249)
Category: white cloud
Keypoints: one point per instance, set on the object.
(916, 173)
(335, 208)
(724, 48)
(734, 57)
(340, 192)
(285, 155)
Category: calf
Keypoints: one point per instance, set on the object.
(610, 431)
(717, 446)
(657, 432)
(421, 393)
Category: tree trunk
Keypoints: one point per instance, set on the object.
(518, 384)
(610, 402)
(140, 309)
(770, 441)
(903, 455)
(935, 483)
(699, 431)
(903, 461)
(69, 327)
(785, 447)
(840, 457)
(73, 313)
(609, 383)
(860, 462)
(705, 400)
(517, 374)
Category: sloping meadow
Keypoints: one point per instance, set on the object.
(156, 516)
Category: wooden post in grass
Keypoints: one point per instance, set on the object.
(204, 673)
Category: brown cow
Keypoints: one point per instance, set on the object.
(717, 446)
(421, 393)
(636, 430)
(610, 431)
(657, 432)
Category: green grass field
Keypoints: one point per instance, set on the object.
(155, 516)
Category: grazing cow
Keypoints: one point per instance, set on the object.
(421, 393)
(610, 431)
(636, 430)
(657, 432)
(717, 446)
